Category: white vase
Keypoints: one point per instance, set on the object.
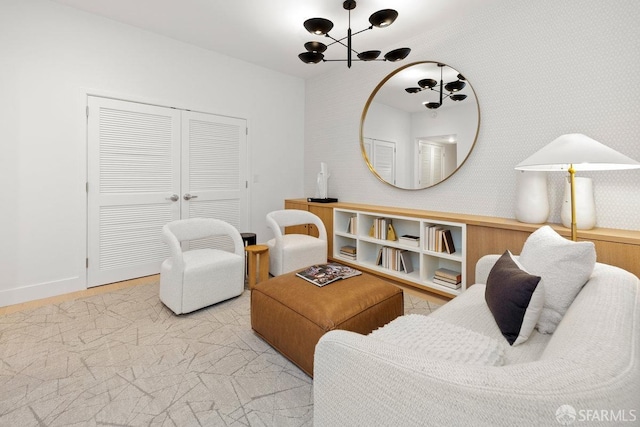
(532, 199)
(585, 204)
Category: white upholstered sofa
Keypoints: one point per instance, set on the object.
(586, 372)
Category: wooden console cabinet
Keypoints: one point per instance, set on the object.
(486, 235)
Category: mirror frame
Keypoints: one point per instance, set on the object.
(366, 109)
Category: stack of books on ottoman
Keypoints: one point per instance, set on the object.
(449, 278)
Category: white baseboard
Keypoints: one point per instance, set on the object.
(41, 290)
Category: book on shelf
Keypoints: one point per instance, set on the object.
(446, 279)
(409, 240)
(405, 260)
(323, 274)
(451, 285)
(446, 273)
(352, 228)
(395, 259)
(438, 239)
(349, 249)
(433, 238)
(447, 240)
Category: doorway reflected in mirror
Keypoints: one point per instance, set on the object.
(407, 141)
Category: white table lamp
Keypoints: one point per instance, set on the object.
(576, 152)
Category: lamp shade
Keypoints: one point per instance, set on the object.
(584, 153)
(427, 83)
(383, 18)
(318, 26)
(397, 54)
(369, 55)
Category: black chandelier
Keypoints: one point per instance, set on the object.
(320, 26)
(431, 84)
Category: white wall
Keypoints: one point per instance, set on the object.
(460, 119)
(392, 125)
(540, 69)
(50, 57)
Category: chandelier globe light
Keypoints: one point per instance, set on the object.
(451, 87)
(321, 27)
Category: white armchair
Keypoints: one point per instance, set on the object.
(290, 252)
(192, 279)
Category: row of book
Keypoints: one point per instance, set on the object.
(348, 251)
(447, 277)
(395, 259)
(438, 239)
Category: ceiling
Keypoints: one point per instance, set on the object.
(393, 93)
(269, 33)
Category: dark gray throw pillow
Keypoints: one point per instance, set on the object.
(515, 299)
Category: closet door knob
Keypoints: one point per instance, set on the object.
(189, 197)
(173, 198)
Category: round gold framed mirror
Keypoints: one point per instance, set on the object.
(419, 125)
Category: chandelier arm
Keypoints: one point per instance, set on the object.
(340, 42)
(345, 60)
(335, 40)
(345, 37)
(362, 31)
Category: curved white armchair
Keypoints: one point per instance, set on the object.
(197, 278)
(290, 252)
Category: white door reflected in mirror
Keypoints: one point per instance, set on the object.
(430, 113)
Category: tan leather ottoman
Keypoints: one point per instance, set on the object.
(292, 314)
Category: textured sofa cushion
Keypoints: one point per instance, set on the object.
(515, 299)
(564, 267)
(437, 339)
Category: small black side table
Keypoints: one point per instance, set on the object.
(249, 239)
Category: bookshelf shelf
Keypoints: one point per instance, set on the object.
(482, 235)
(417, 257)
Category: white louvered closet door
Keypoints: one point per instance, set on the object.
(133, 172)
(214, 170)
(431, 164)
(384, 160)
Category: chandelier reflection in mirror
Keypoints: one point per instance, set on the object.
(321, 26)
(431, 84)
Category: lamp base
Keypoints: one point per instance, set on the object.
(585, 204)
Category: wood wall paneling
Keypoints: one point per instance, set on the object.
(492, 235)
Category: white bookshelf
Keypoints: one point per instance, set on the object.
(425, 262)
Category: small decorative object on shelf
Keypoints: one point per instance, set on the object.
(382, 229)
(322, 186)
(409, 240)
(317, 200)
